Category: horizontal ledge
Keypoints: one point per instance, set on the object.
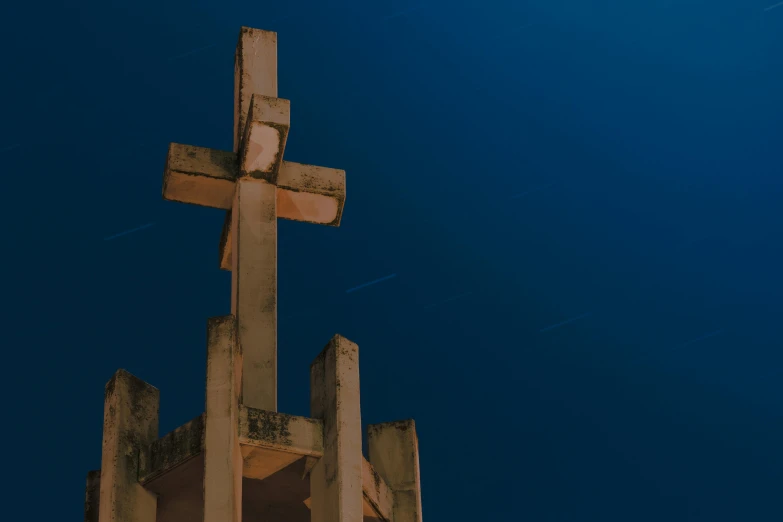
(258, 428)
(281, 432)
(268, 431)
(172, 450)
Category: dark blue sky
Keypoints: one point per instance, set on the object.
(580, 202)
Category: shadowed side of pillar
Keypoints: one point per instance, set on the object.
(222, 454)
(394, 453)
(130, 426)
(92, 496)
(336, 479)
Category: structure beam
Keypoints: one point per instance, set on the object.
(92, 496)
(336, 479)
(199, 176)
(254, 289)
(394, 452)
(130, 425)
(307, 193)
(222, 454)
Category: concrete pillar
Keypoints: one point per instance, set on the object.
(130, 425)
(222, 454)
(336, 479)
(254, 289)
(394, 453)
(93, 496)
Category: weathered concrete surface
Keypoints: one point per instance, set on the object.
(172, 450)
(181, 492)
(199, 176)
(378, 497)
(377, 494)
(336, 479)
(92, 496)
(264, 138)
(304, 193)
(207, 177)
(272, 444)
(130, 426)
(301, 436)
(394, 452)
(266, 438)
(310, 193)
(222, 454)
(254, 289)
(272, 441)
(255, 72)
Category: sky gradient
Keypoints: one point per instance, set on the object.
(570, 214)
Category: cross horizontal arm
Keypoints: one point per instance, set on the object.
(207, 177)
(200, 176)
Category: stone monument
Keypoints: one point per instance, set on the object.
(242, 460)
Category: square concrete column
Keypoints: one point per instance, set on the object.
(394, 453)
(336, 479)
(93, 496)
(222, 454)
(130, 425)
(254, 289)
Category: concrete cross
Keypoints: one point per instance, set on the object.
(256, 186)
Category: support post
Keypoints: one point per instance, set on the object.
(254, 289)
(130, 425)
(336, 479)
(394, 453)
(254, 218)
(93, 496)
(222, 454)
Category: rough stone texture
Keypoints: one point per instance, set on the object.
(130, 426)
(311, 194)
(336, 479)
(92, 496)
(280, 431)
(377, 493)
(264, 137)
(174, 449)
(272, 441)
(255, 72)
(304, 193)
(394, 452)
(254, 289)
(199, 176)
(222, 455)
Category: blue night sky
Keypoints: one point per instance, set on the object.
(570, 210)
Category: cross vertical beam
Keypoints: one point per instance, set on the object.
(253, 221)
(255, 72)
(130, 425)
(336, 479)
(394, 453)
(254, 289)
(222, 454)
